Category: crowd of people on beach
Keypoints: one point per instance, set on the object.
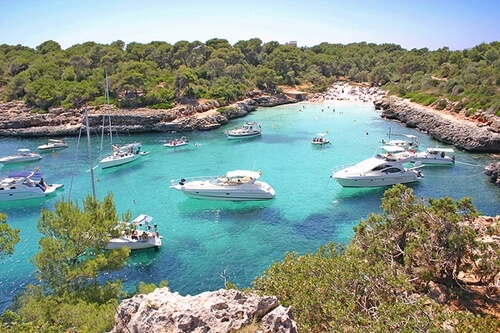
(348, 92)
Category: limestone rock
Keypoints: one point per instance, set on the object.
(464, 135)
(17, 119)
(218, 311)
(493, 171)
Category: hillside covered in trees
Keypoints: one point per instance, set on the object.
(158, 74)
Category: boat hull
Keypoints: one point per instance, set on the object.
(327, 142)
(133, 244)
(206, 191)
(172, 145)
(433, 161)
(19, 159)
(376, 181)
(242, 136)
(26, 193)
(52, 147)
(115, 160)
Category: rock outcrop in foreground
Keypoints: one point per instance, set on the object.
(218, 311)
(480, 137)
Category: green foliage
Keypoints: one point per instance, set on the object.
(423, 99)
(69, 296)
(189, 70)
(434, 242)
(366, 287)
(63, 312)
(8, 237)
(336, 290)
(72, 244)
(146, 288)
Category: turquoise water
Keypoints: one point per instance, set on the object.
(205, 241)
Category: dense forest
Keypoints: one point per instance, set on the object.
(158, 74)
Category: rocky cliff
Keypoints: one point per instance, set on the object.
(17, 119)
(493, 171)
(218, 311)
(481, 136)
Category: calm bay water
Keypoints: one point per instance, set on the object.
(205, 241)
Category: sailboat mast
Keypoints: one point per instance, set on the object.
(90, 154)
(109, 114)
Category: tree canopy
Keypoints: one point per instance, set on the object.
(71, 258)
(159, 74)
(8, 237)
(379, 281)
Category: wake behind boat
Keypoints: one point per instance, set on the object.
(25, 185)
(237, 185)
(376, 171)
(137, 235)
(250, 129)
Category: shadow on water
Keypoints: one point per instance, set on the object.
(141, 266)
(190, 205)
(319, 227)
(31, 205)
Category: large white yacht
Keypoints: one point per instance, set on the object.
(237, 185)
(377, 171)
(25, 185)
(137, 235)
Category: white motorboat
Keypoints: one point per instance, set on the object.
(237, 185)
(177, 142)
(249, 129)
(122, 155)
(436, 155)
(23, 155)
(25, 185)
(54, 144)
(320, 140)
(411, 141)
(137, 235)
(408, 141)
(376, 171)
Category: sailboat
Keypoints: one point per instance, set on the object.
(410, 141)
(136, 235)
(121, 154)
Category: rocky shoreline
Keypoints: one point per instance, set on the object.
(475, 135)
(478, 135)
(17, 119)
